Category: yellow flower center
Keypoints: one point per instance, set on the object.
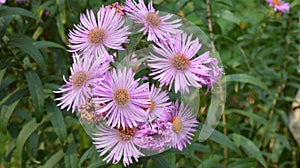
(79, 78)
(96, 35)
(125, 134)
(276, 2)
(121, 97)
(152, 19)
(152, 105)
(180, 62)
(177, 124)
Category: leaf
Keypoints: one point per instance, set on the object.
(71, 154)
(5, 114)
(245, 79)
(294, 3)
(24, 134)
(14, 96)
(2, 72)
(24, 43)
(57, 121)
(223, 140)
(227, 15)
(54, 159)
(61, 29)
(18, 11)
(180, 4)
(44, 44)
(87, 154)
(252, 116)
(37, 94)
(160, 161)
(97, 164)
(242, 163)
(212, 161)
(249, 147)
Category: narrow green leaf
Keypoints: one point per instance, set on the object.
(24, 43)
(87, 154)
(212, 161)
(5, 114)
(294, 3)
(44, 44)
(37, 94)
(14, 96)
(246, 79)
(2, 72)
(18, 11)
(53, 160)
(252, 116)
(61, 29)
(242, 163)
(57, 120)
(227, 15)
(180, 4)
(249, 147)
(159, 161)
(70, 158)
(24, 134)
(97, 163)
(223, 140)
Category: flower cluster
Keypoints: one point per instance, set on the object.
(131, 114)
(279, 5)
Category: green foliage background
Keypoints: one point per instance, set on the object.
(259, 50)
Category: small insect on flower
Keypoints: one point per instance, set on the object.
(279, 5)
(86, 72)
(96, 35)
(118, 143)
(157, 27)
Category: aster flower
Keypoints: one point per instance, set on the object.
(176, 63)
(215, 71)
(157, 27)
(279, 5)
(85, 73)
(97, 34)
(159, 101)
(155, 135)
(183, 123)
(117, 143)
(125, 100)
(2, 2)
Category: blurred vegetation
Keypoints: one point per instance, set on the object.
(259, 49)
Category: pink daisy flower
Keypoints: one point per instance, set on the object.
(279, 5)
(215, 72)
(97, 34)
(85, 73)
(157, 27)
(117, 143)
(159, 101)
(183, 121)
(126, 101)
(176, 63)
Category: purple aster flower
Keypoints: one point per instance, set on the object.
(85, 73)
(117, 143)
(2, 2)
(183, 121)
(126, 101)
(157, 27)
(279, 5)
(97, 34)
(177, 63)
(156, 136)
(215, 72)
(159, 101)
